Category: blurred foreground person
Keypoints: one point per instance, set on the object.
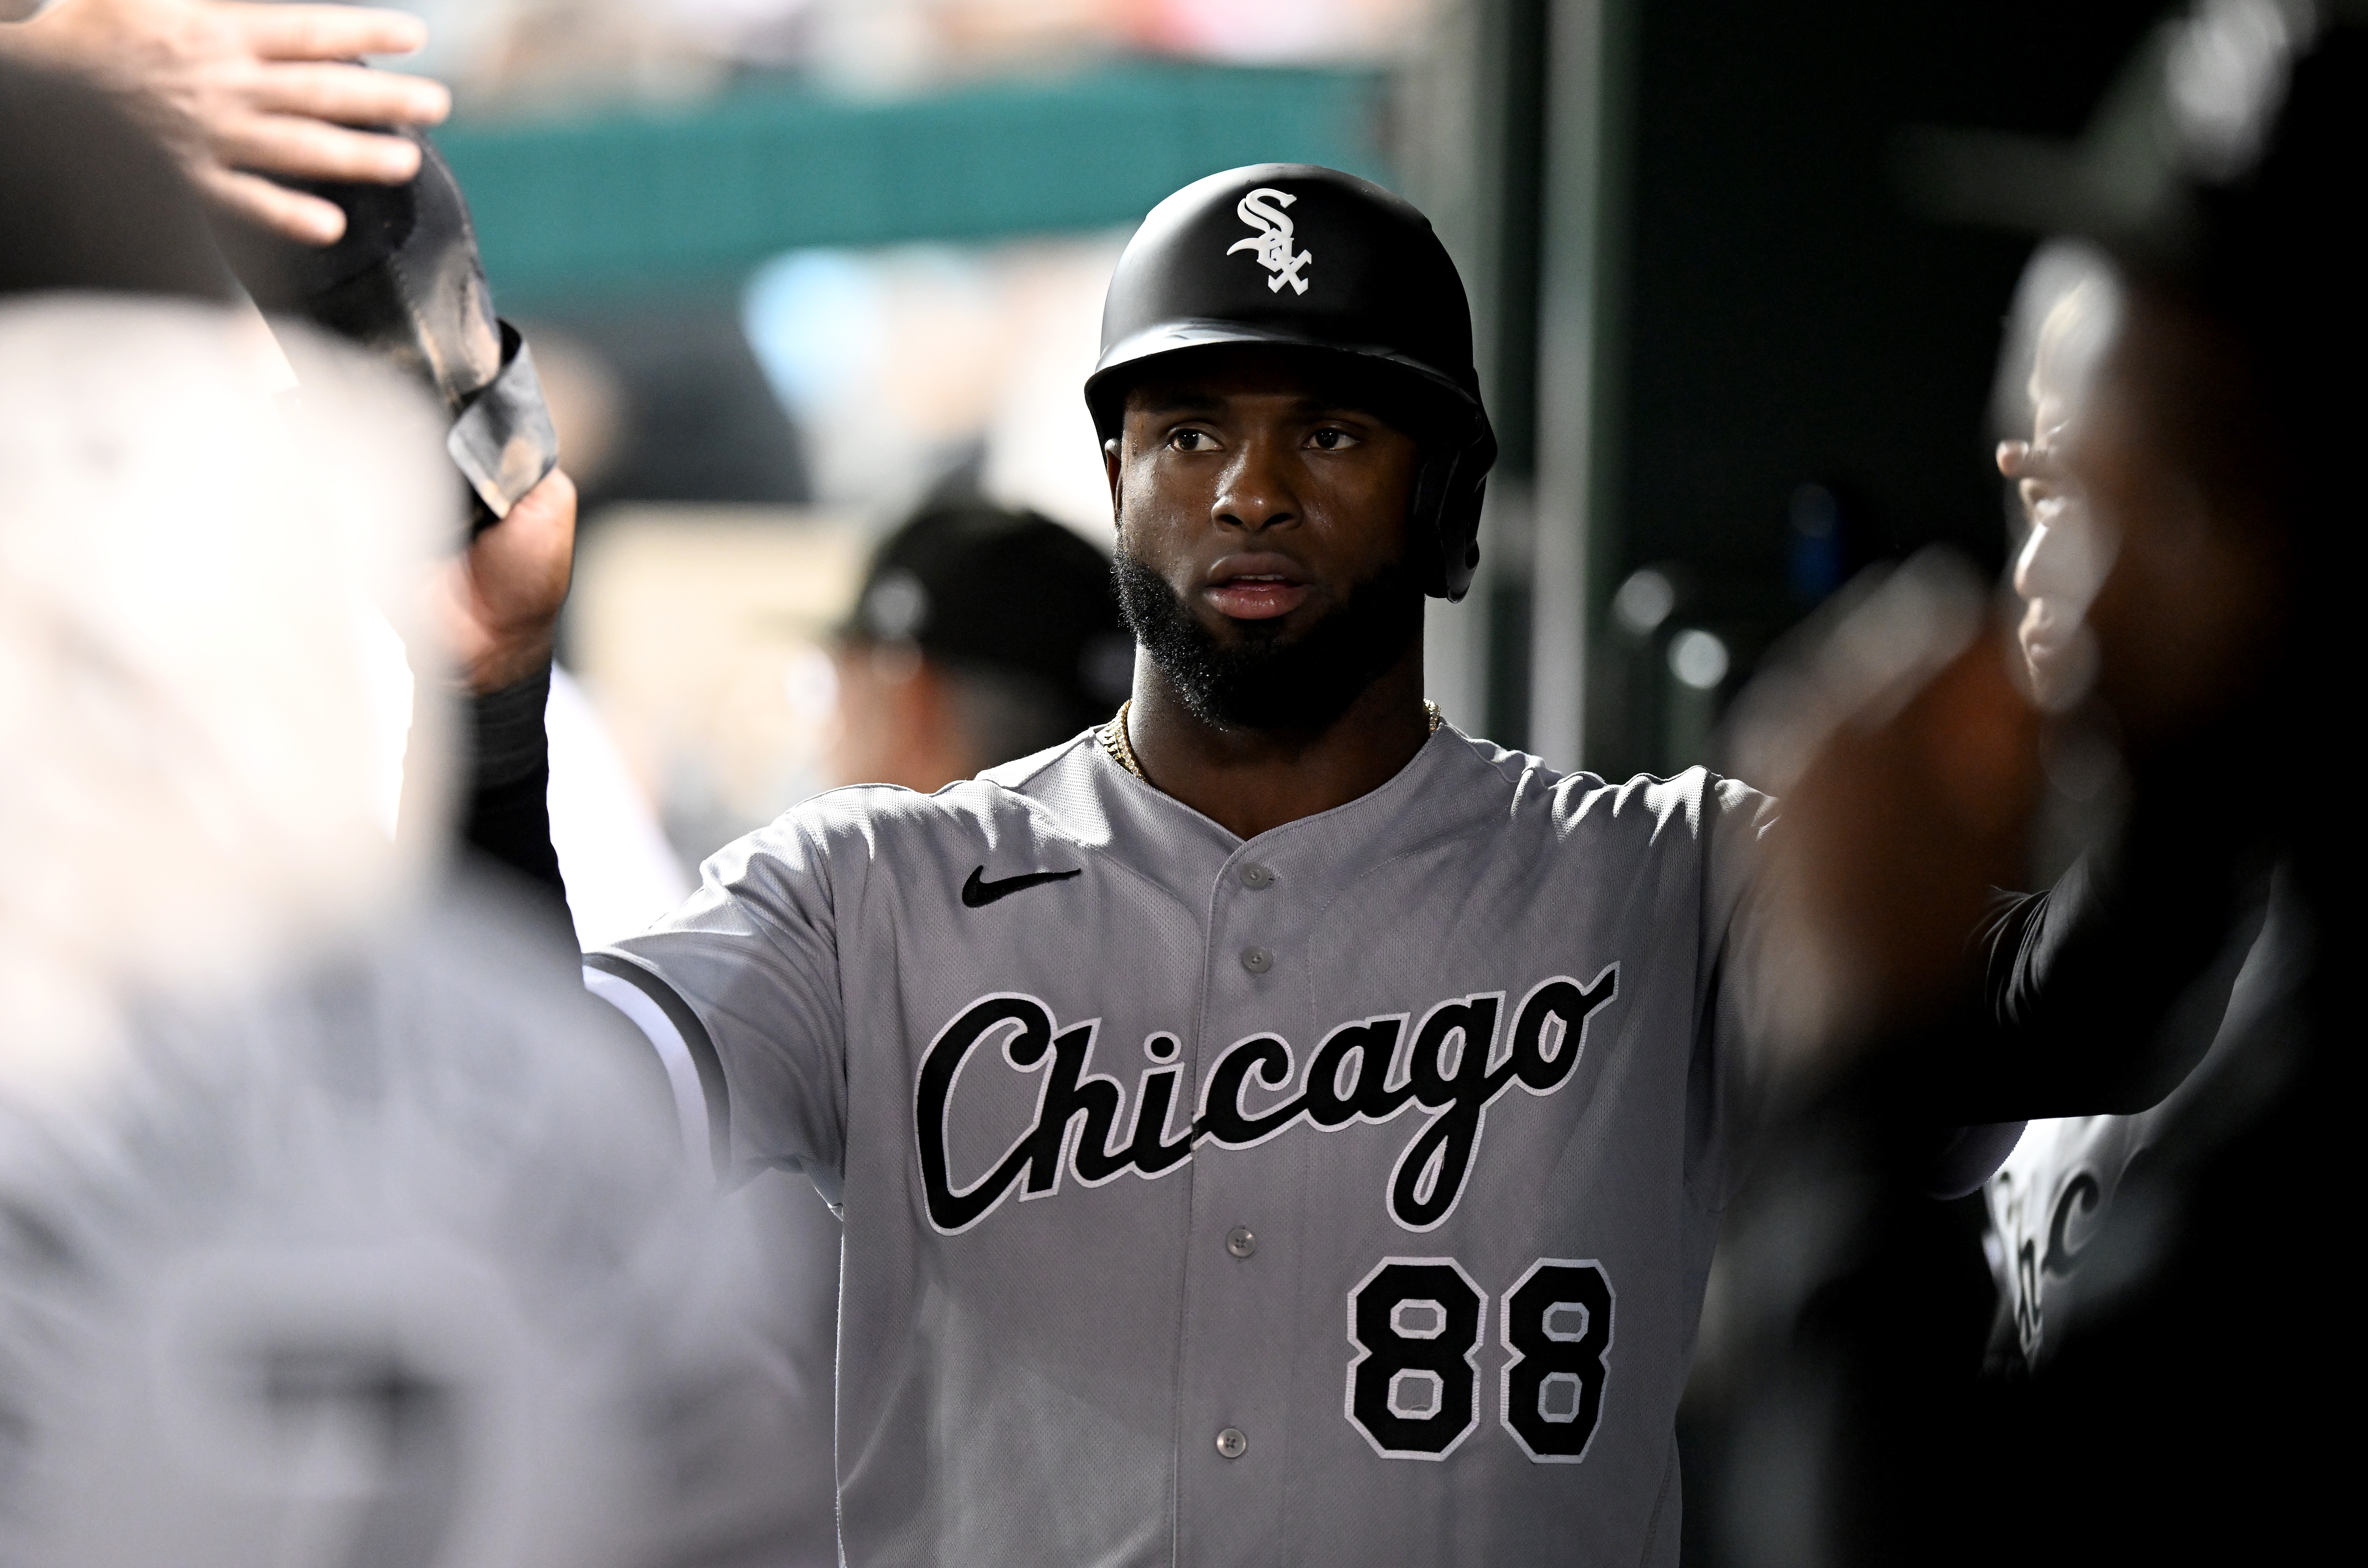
(980, 635)
(334, 1226)
(2200, 466)
(337, 1227)
(2050, 1199)
(93, 201)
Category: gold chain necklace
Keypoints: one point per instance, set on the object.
(1121, 747)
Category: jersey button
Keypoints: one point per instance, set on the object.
(1241, 1241)
(1257, 877)
(1258, 960)
(1231, 1444)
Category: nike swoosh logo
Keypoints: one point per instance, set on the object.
(978, 892)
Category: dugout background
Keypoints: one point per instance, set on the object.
(1729, 363)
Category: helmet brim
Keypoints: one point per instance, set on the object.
(1106, 388)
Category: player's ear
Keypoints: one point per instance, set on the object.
(1111, 473)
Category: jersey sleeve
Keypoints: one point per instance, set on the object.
(739, 992)
(2099, 995)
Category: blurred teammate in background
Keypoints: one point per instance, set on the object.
(980, 635)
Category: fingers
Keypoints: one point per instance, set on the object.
(350, 95)
(327, 32)
(312, 149)
(305, 218)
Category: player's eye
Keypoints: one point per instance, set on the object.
(1331, 438)
(1189, 440)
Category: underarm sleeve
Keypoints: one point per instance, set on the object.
(2098, 995)
(702, 1103)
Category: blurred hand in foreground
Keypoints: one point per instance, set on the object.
(1900, 735)
(498, 606)
(1905, 753)
(244, 91)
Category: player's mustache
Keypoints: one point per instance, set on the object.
(1266, 677)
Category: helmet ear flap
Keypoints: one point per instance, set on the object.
(1459, 537)
(1446, 517)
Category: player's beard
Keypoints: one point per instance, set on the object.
(1267, 678)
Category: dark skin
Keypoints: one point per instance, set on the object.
(1895, 828)
(497, 606)
(1245, 479)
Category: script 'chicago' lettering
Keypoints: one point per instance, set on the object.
(1366, 1071)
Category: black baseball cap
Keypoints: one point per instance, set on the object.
(999, 589)
(2226, 156)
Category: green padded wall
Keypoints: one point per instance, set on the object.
(634, 199)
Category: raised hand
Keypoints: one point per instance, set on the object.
(242, 92)
(1905, 753)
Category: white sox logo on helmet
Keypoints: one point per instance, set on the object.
(1367, 1070)
(1272, 244)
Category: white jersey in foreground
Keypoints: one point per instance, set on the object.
(1339, 1196)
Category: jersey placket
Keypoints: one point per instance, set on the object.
(1242, 1253)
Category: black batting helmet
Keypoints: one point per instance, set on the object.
(1309, 257)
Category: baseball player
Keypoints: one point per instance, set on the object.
(2048, 1201)
(1272, 1126)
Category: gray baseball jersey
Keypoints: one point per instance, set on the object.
(1342, 1196)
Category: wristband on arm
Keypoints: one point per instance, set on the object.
(406, 283)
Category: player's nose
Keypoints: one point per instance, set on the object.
(2051, 560)
(2030, 565)
(1255, 493)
